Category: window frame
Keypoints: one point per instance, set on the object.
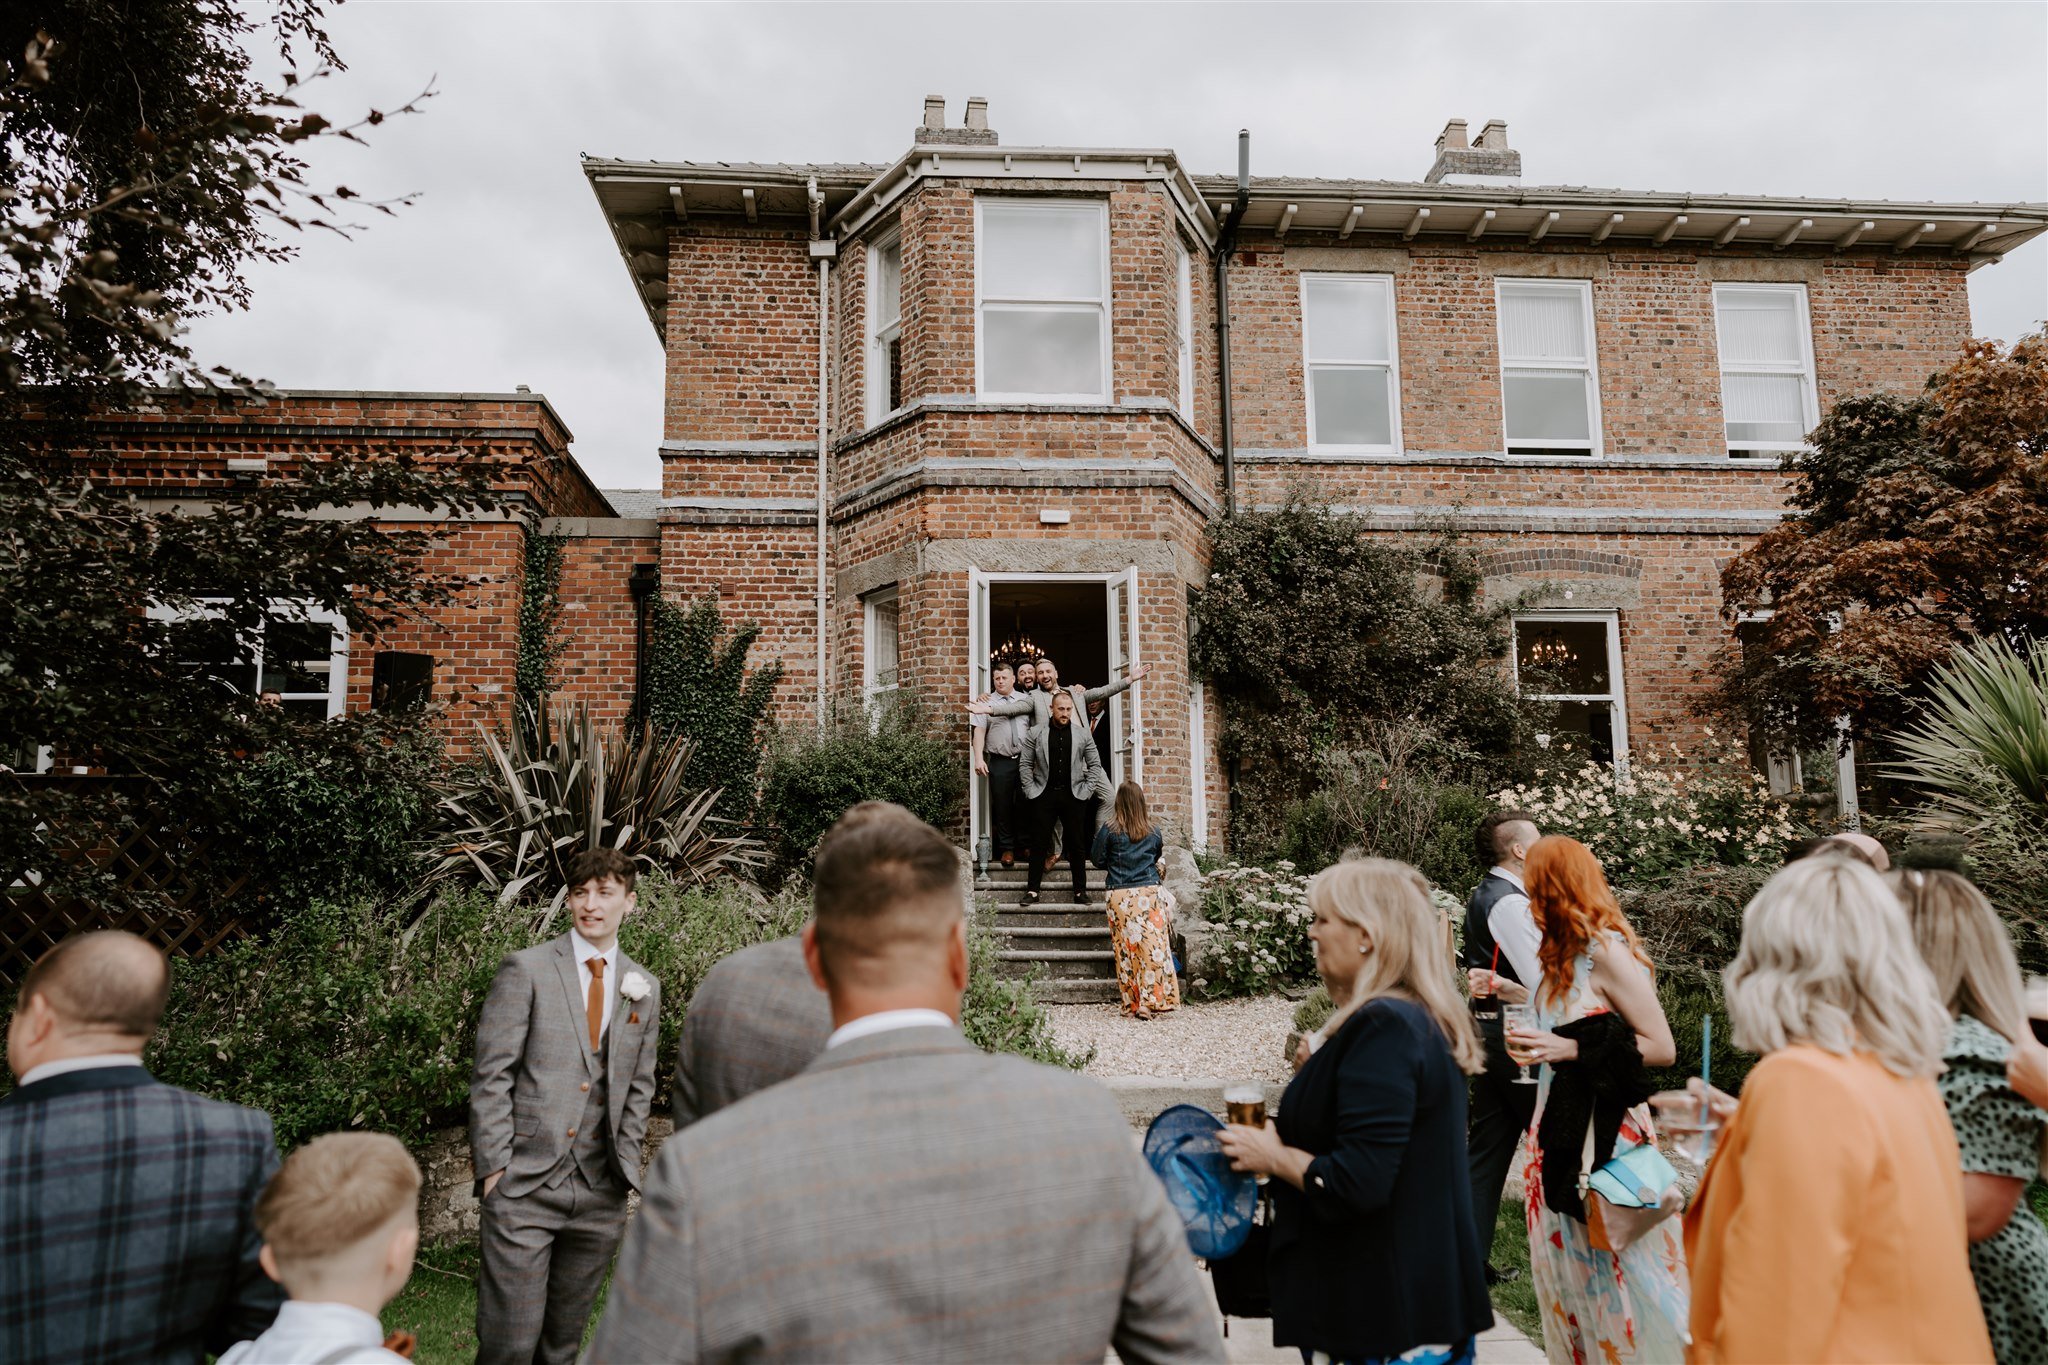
(982, 302)
(1804, 367)
(876, 375)
(1184, 299)
(872, 693)
(1616, 696)
(1392, 363)
(1595, 444)
(307, 613)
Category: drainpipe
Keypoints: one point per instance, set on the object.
(1224, 242)
(822, 250)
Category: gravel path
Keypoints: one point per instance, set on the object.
(1231, 1040)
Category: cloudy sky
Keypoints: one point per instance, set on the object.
(503, 272)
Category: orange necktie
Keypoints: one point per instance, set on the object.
(593, 1008)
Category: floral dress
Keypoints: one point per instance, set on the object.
(2000, 1134)
(1597, 1307)
(1140, 925)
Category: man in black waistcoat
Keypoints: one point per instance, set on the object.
(1498, 914)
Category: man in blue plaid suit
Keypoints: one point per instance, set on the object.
(126, 1229)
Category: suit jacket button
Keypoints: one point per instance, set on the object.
(572, 1133)
(584, 1086)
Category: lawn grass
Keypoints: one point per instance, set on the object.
(438, 1305)
(1515, 1299)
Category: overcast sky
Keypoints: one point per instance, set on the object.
(503, 272)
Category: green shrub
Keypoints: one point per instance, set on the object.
(1314, 1011)
(999, 1013)
(1689, 996)
(1259, 941)
(812, 777)
(1671, 811)
(698, 685)
(364, 782)
(512, 823)
(1692, 918)
(1396, 796)
(540, 617)
(340, 1019)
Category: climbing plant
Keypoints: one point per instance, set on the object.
(540, 613)
(699, 685)
(1315, 636)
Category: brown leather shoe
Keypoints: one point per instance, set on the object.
(1009, 860)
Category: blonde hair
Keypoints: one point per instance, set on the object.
(1411, 954)
(1827, 959)
(1132, 819)
(333, 1192)
(1966, 947)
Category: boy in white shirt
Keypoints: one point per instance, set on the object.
(340, 1225)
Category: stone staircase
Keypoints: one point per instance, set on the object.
(1067, 944)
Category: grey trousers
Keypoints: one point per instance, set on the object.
(545, 1252)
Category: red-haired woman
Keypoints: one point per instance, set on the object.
(1597, 1024)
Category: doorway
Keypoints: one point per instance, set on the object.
(1084, 624)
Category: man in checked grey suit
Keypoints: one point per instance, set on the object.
(757, 1019)
(565, 1058)
(128, 1231)
(908, 1197)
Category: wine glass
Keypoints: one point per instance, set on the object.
(1522, 1018)
(1689, 1120)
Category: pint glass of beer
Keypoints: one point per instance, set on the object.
(1246, 1104)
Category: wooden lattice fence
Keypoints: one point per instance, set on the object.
(116, 861)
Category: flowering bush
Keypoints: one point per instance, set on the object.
(1260, 939)
(1669, 811)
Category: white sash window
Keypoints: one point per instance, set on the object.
(1041, 280)
(1347, 333)
(1549, 386)
(1766, 345)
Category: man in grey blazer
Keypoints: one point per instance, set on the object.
(757, 1019)
(908, 1197)
(1064, 786)
(565, 1058)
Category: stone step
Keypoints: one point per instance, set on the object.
(1015, 917)
(1053, 938)
(1015, 878)
(1058, 964)
(1054, 903)
(1093, 990)
(1034, 932)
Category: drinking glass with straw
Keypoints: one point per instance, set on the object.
(1486, 1003)
(1688, 1117)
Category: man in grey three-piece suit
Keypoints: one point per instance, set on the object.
(565, 1058)
(758, 1018)
(908, 1197)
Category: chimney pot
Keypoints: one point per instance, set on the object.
(1462, 163)
(1453, 135)
(935, 112)
(1493, 135)
(977, 113)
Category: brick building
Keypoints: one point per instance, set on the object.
(982, 398)
(922, 413)
(188, 450)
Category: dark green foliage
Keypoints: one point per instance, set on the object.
(1691, 925)
(332, 810)
(1311, 632)
(999, 1012)
(698, 685)
(812, 777)
(1922, 524)
(1394, 797)
(1314, 1011)
(1689, 995)
(339, 1019)
(540, 615)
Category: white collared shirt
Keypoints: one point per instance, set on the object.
(585, 950)
(92, 1063)
(884, 1022)
(306, 1332)
(1513, 927)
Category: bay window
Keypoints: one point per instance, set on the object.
(1041, 279)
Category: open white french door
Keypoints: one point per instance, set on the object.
(977, 684)
(1127, 756)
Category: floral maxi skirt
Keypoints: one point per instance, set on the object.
(1138, 934)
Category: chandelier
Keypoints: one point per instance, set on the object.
(1551, 653)
(1013, 651)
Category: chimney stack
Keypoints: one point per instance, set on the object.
(934, 132)
(1461, 163)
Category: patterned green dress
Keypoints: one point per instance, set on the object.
(2000, 1134)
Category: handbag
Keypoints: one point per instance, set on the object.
(1633, 1192)
(1242, 1287)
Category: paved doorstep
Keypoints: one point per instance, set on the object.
(1251, 1343)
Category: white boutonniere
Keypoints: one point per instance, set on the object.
(635, 987)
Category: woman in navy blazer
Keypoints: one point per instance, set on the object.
(1373, 1254)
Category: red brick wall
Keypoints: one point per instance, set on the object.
(742, 335)
(597, 624)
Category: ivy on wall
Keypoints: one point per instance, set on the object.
(540, 612)
(698, 684)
